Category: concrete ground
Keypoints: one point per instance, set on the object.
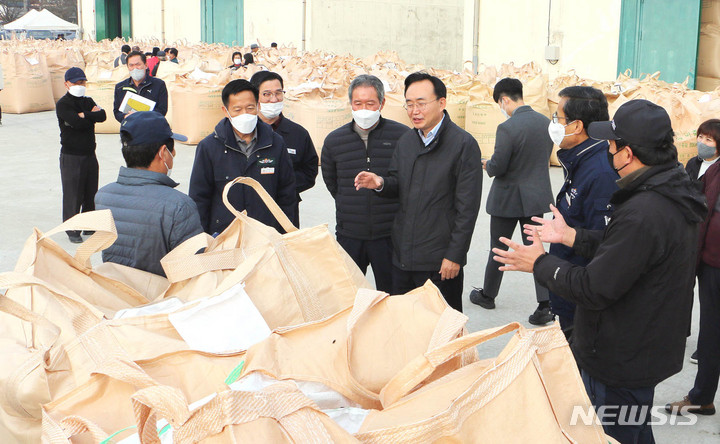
(30, 193)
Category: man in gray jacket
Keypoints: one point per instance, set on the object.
(521, 188)
(150, 216)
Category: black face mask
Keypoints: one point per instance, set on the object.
(612, 156)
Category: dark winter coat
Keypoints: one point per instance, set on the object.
(440, 187)
(218, 160)
(360, 214)
(634, 298)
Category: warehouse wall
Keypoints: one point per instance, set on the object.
(421, 31)
(86, 19)
(587, 33)
(432, 32)
(268, 21)
(178, 25)
(181, 20)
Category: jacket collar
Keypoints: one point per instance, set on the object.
(521, 109)
(225, 134)
(570, 157)
(441, 131)
(136, 176)
(146, 81)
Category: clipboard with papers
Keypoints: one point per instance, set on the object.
(135, 102)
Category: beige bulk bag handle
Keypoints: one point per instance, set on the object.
(450, 324)
(101, 222)
(61, 432)
(282, 401)
(423, 366)
(266, 198)
(84, 316)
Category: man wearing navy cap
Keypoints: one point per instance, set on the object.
(77, 116)
(634, 297)
(150, 216)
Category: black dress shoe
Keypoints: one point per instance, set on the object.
(541, 316)
(75, 238)
(477, 297)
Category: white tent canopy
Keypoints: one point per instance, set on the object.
(43, 20)
(19, 24)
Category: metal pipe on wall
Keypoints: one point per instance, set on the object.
(162, 21)
(476, 35)
(304, 21)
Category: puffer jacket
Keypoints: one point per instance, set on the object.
(361, 214)
(634, 298)
(150, 216)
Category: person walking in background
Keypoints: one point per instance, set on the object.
(237, 59)
(122, 58)
(249, 59)
(435, 174)
(172, 55)
(706, 170)
(521, 188)
(584, 199)
(77, 116)
(363, 218)
(297, 139)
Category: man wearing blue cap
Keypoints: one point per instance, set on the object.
(634, 298)
(150, 216)
(77, 116)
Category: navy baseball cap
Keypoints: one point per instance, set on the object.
(638, 122)
(146, 127)
(74, 75)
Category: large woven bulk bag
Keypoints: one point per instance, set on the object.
(27, 83)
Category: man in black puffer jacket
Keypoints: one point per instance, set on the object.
(634, 298)
(364, 219)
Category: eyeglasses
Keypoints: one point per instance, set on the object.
(555, 118)
(420, 106)
(270, 94)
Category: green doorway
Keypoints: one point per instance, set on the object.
(222, 21)
(112, 19)
(660, 35)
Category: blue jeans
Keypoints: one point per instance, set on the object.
(624, 406)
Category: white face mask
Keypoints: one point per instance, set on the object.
(502, 109)
(237, 61)
(557, 132)
(77, 90)
(271, 110)
(366, 118)
(137, 74)
(244, 123)
(169, 170)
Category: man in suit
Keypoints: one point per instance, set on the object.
(521, 188)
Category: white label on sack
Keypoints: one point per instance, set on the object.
(165, 306)
(105, 75)
(32, 60)
(222, 324)
(267, 170)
